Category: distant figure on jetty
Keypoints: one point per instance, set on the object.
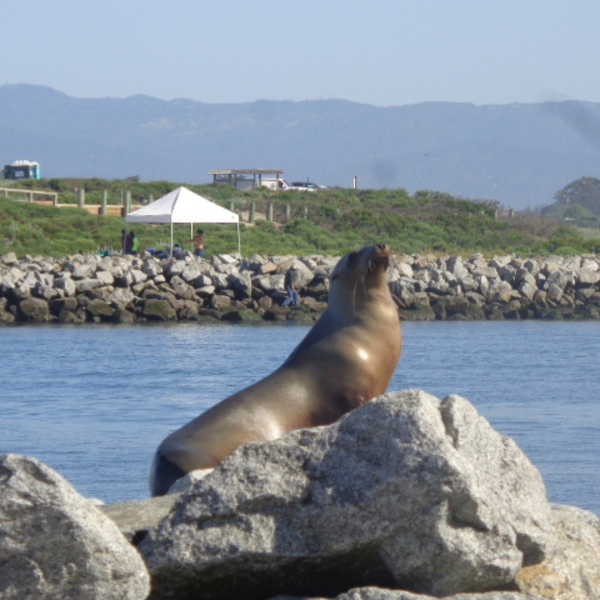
(292, 277)
(135, 243)
(199, 241)
(126, 242)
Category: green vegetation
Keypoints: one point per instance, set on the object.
(328, 222)
(577, 203)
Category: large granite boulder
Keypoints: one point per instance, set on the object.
(54, 544)
(571, 571)
(407, 492)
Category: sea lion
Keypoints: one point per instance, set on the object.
(345, 360)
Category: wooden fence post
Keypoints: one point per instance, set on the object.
(270, 211)
(252, 212)
(127, 206)
(103, 203)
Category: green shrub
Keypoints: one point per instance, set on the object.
(338, 220)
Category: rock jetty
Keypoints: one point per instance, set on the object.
(407, 498)
(128, 289)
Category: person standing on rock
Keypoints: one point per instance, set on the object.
(126, 242)
(292, 278)
(135, 243)
(199, 241)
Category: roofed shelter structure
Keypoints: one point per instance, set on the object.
(246, 179)
(184, 206)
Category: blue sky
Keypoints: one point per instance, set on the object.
(381, 52)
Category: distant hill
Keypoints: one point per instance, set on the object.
(518, 154)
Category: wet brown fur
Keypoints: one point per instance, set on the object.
(345, 360)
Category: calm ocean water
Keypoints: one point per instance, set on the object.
(94, 402)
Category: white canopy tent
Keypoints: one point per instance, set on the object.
(184, 206)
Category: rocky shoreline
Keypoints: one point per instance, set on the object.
(130, 289)
(437, 504)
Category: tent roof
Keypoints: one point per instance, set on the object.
(182, 206)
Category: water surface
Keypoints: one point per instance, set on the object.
(93, 402)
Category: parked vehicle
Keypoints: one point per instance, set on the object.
(306, 186)
(275, 184)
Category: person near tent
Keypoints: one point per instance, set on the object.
(135, 243)
(184, 206)
(292, 278)
(126, 242)
(199, 241)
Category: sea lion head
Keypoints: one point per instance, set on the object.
(361, 272)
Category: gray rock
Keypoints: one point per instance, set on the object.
(571, 570)
(138, 276)
(56, 544)
(84, 271)
(136, 518)
(383, 594)
(151, 268)
(176, 268)
(159, 310)
(99, 308)
(485, 271)
(241, 284)
(45, 291)
(269, 283)
(201, 281)
(554, 292)
(437, 501)
(590, 264)
(123, 316)
(587, 277)
(527, 290)
(206, 290)
(456, 266)
(106, 277)
(121, 297)
(85, 285)
(187, 482)
(190, 273)
(22, 291)
(125, 280)
(9, 259)
(31, 279)
(561, 278)
(220, 281)
(219, 302)
(34, 310)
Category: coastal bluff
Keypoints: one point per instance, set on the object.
(130, 289)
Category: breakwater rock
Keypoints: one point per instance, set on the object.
(128, 289)
(437, 504)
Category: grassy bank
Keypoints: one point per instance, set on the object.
(328, 222)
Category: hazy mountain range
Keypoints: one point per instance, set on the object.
(518, 154)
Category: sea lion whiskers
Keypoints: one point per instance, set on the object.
(369, 268)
